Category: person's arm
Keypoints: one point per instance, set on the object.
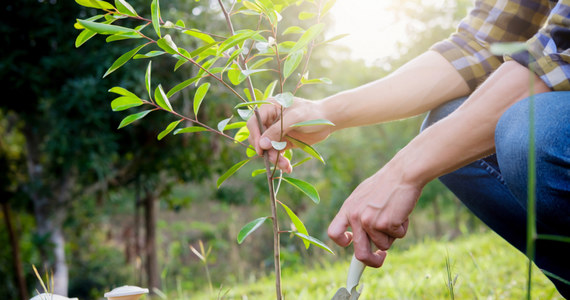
(420, 85)
(378, 209)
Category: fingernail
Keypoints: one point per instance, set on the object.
(265, 143)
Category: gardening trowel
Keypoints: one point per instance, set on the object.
(354, 272)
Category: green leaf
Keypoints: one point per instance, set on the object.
(147, 79)
(285, 99)
(233, 56)
(250, 104)
(123, 103)
(288, 154)
(314, 122)
(245, 114)
(235, 40)
(168, 129)
(123, 59)
(249, 228)
(308, 36)
(181, 86)
(167, 44)
(125, 8)
(260, 62)
(180, 23)
(123, 92)
(247, 73)
(306, 147)
(335, 38)
(190, 129)
(278, 145)
(199, 96)
(231, 171)
(95, 4)
(123, 36)
(293, 29)
(250, 151)
(297, 222)
(269, 90)
(328, 5)
(304, 187)
(234, 75)
(200, 35)
(235, 125)
(508, 48)
(252, 6)
(257, 172)
(222, 124)
(103, 28)
(304, 160)
(314, 241)
(242, 134)
(305, 15)
(83, 37)
(149, 54)
(131, 118)
(316, 80)
(292, 62)
(155, 14)
(204, 49)
(161, 98)
(94, 18)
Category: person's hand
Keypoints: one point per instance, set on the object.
(377, 211)
(301, 110)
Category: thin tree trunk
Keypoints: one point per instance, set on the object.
(151, 212)
(49, 211)
(138, 271)
(436, 216)
(18, 271)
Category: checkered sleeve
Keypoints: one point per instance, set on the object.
(490, 21)
(549, 49)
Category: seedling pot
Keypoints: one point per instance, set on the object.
(126, 292)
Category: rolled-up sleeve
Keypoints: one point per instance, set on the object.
(549, 49)
(490, 21)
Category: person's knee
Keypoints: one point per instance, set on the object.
(552, 153)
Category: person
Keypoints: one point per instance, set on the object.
(475, 137)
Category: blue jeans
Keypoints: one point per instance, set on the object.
(495, 188)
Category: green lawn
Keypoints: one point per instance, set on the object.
(485, 267)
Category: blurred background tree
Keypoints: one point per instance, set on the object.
(103, 207)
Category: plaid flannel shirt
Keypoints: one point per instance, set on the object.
(543, 24)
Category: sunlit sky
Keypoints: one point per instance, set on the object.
(368, 22)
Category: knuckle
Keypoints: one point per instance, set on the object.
(367, 220)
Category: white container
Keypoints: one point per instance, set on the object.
(47, 296)
(127, 292)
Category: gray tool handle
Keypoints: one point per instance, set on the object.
(354, 272)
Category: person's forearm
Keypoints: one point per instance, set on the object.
(468, 133)
(416, 87)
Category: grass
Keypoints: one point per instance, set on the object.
(482, 266)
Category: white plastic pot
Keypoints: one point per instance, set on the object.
(47, 296)
(126, 292)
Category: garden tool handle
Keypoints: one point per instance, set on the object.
(354, 272)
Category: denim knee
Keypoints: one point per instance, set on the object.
(552, 154)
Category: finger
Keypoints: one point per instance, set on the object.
(337, 230)
(268, 114)
(362, 249)
(381, 240)
(283, 163)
